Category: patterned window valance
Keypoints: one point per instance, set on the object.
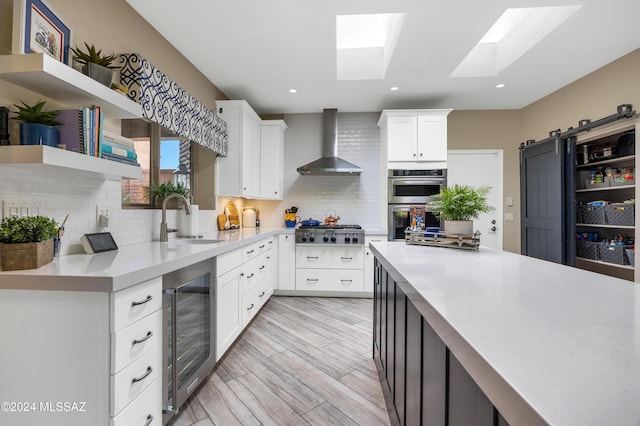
(166, 103)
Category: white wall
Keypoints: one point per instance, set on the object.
(356, 199)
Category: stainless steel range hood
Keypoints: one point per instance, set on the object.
(330, 163)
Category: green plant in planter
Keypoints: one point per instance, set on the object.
(93, 55)
(157, 192)
(461, 202)
(37, 127)
(36, 114)
(27, 229)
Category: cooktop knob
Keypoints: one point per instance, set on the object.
(347, 239)
(354, 239)
(304, 238)
(325, 239)
(312, 238)
(333, 238)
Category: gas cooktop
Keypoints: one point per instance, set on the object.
(330, 227)
(330, 234)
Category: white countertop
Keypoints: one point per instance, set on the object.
(113, 271)
(547, 343)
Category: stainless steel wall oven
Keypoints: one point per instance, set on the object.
(408, 188)
(189, 338)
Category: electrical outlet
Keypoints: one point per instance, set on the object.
(102, 210)
(19, 208)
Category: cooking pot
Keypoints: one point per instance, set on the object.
(310, 222)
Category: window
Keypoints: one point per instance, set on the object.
(163, 157)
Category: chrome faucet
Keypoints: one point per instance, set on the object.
(164, 232)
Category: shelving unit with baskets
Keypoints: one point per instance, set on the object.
(605, 176)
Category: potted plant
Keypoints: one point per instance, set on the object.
(26, 242)
(95, 64)
(38, 125)
(458, 205)
(157, 193)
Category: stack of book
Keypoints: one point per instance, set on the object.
(81, 129)
(118, 148)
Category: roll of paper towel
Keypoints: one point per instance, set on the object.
(190, 222)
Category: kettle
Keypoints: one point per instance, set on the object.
(249, 216)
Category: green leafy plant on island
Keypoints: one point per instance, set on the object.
(461, 202)
(93, 55)
(36, 114)
(27, 229)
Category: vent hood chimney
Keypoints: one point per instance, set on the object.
(330, 163)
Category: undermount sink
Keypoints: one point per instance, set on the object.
(197, 241)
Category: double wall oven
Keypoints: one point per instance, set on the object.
(408, 188)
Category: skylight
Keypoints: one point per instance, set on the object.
(513, 34)
(365, 44)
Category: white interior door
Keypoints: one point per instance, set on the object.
(480, 168)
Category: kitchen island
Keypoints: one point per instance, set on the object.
(539, 342)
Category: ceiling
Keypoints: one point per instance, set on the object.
(259, 49)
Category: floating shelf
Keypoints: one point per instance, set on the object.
(45, 75)
(40, 155)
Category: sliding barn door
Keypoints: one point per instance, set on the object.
(542, 179)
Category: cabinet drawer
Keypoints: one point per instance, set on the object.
(252, 302)
(255, 249)
(254, 271)
(330, 257)
(227, 261)
(136, 302)
(132, 380)
(330, 279)
(136, 339)
(145, 409)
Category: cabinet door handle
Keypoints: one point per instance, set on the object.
(420, 154)
(261, 294)
(250, 251)
(144, 339)
(262, 246)
(313, 280)
(346, 281)
(144, 376)
(312, 257)
(250, 307)
(346, 258)
(270, 242)
(250, 276)
(149, 420)
(148, 299)
(261, 268)
(414, 154)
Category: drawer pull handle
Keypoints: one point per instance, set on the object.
(148, 299)
(250, 251)
(250, 307)
(149, 420)
(271, 242)
(250, 275)
(312, 257)
(144, 376)
(346, 281)
(261, 247)
(262, 267)
(314, 280)
(144, 339)
(261, 294)
(346, 258)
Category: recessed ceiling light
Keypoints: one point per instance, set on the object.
(500, 86)
(365, 44)
(395, 88)
(293, 91)
(511, 36)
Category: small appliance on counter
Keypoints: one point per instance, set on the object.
(249, 217)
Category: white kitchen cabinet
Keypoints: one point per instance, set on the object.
(415, 138)
(271, 159)
(329, 268)
(238, 174)
(368, 260)
(228, 315)
(75, 347)
(286, 263)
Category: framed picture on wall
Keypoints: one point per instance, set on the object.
(37, 29)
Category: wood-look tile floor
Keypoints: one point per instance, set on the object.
(303, 361)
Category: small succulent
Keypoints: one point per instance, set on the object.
(35, 114)
(27, 229)
(93, 55)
